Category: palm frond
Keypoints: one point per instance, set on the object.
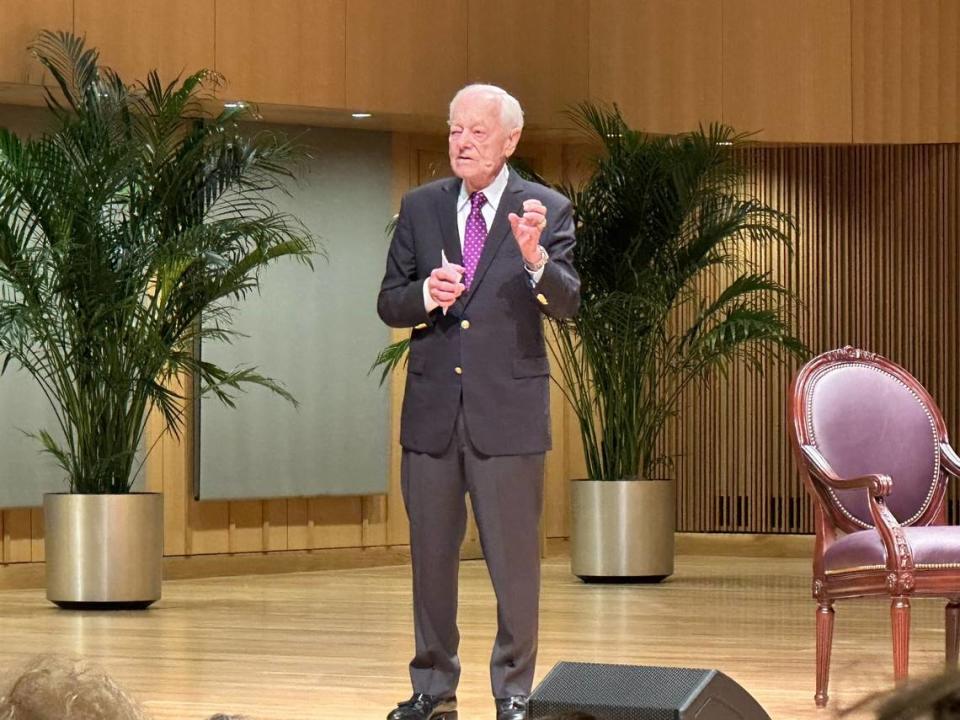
(390, 358)
(73, 66)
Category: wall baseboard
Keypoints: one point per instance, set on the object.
(16, 576)
(31, 575)
(721, 544)
(288, 561)
(745, 545)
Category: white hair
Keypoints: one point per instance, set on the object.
(511, 114)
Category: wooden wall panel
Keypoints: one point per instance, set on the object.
(291, 52)
(208, 527)
(246, 526)
(335, 522)
(537, 51)
(21, 535)
(22, 21)
(173, 458)
(37, 552)
(173, 36)
(374, 518)
(275, 525)
(298, 524)
(405, 56)
(786, 69)
(876, 265)
(906, 70)
(17, 535)
(659, 60)
(868, 71)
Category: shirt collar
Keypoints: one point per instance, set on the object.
(493, 191)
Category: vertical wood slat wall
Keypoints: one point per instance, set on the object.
(876, 265)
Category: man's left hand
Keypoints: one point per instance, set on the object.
(527, 229)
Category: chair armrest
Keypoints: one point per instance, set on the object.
(898, 550)
(949, 459)
(878, 485)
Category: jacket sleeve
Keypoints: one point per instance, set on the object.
(400, 301)
(558, 290)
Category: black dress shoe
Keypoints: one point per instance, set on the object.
(425, 707)
(512, 708)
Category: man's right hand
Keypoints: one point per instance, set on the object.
(444, 284)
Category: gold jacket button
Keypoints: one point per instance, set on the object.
(421, 326)
(458, 370)
(465, 324)
(541, 299)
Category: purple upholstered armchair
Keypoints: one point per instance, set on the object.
(873, 448)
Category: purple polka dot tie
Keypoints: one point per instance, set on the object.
(474, 235)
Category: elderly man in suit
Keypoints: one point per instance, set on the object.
(474, 264)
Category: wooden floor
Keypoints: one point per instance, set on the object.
(335, 644)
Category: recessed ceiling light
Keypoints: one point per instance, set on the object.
(361, 115)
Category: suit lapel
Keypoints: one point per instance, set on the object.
(447, 212)
(510, 202)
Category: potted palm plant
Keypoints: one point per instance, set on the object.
(134, 217)
(656, 218)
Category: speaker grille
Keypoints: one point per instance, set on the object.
(617, 692)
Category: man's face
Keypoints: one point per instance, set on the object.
(479, 144)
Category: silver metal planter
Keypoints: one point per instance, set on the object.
(622, 530)
(103, 551)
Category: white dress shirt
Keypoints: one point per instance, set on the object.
(493, 192)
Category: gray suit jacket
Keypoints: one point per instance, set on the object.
(488, 351)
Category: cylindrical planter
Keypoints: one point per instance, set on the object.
(622, 530)
(103, 551)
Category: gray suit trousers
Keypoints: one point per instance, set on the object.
(506, 492)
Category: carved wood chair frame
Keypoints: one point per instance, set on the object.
(900, 579)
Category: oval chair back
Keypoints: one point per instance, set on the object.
(866, 414)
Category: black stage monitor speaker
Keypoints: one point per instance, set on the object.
(633, 692)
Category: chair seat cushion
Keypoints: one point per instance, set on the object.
(934, 546)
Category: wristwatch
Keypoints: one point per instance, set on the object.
(540, 263)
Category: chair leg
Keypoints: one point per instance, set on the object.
(952, 627)
(900, 622)
(824, 645)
